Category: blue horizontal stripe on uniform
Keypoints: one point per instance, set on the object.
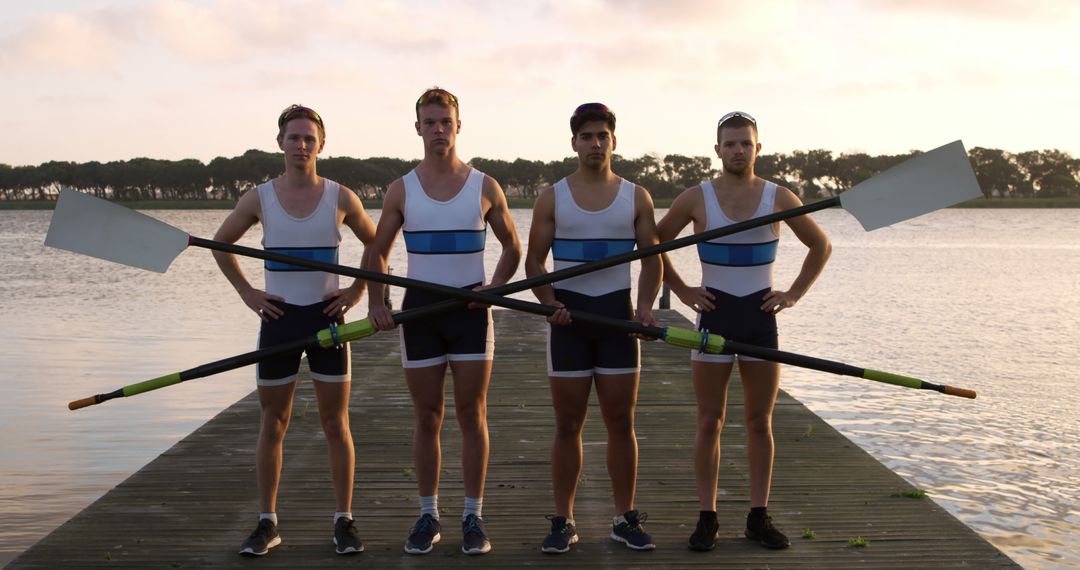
(323, 254)
(446, 241)
(585, 250)
(738, 254)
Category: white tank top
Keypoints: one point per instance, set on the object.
(445, 240)
(314, 237)
(741, 263)
(582, 236)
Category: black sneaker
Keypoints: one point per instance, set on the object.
(476, 540)
(423, 535)
(346, 537)
(561, 537)
(630, 532)
(262, 539)
(761, 529)
(706, 533)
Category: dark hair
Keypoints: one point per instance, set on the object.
(588, 112)
(299, 112)
(437, 96)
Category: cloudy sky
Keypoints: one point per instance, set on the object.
(117, 79)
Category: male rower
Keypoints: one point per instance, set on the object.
(301, 213)
(737, 300)
(443, 207)
(587, 216)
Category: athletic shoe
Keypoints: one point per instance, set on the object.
(262, 539)
(423, 535)
(706, 533)
(476, 540)
(630, 532)
(761, 529)
(346, 537)
(561, 537)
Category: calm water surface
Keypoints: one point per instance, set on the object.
(984, 299)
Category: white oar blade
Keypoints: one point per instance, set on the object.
(91, 226)
(917, 186)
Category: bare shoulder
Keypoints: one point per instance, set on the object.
(395, 195)
(688, 199)
(545, 201)
(347, 199)
(249, 204)
(491, 186)
(642, 197)
(493, 194)
(786, 199)
(547, 193)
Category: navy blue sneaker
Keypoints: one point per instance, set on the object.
(562, 536)
(424, 535)
(476, 540)
(630, 532)
(262, 539)
(346, 537)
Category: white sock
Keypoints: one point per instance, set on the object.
(473, 507)
(339, 514)
(272, 517)
(430, 506)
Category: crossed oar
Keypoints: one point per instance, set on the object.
(930, 181)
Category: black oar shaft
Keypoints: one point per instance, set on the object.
(523, 284)
(793, 359)
(459, 294)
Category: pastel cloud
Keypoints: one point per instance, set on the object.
(66, 41)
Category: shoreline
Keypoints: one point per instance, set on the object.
(515, 203)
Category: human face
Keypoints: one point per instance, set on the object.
(300, 142)
(594, 144)
(439, 127)
(737, 150)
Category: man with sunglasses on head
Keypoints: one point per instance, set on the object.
(736, 300)
(443, 208)
(301, 213)
(587, 216)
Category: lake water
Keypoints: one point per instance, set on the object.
(983, 299)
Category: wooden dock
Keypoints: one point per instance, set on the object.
(193, 505)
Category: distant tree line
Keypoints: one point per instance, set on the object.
(813, 174)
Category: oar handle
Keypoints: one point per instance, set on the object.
(962, 392)
(83, 403)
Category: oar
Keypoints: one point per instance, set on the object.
(84, 224)
(672, 335)
(353, 331)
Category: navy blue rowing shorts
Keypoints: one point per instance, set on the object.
(740, 319)
(326, 364)
(457, 334)
(581, 349)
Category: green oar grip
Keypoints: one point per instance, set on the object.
(890, 378)
(346, 332)
(154, 384)
(687, 338)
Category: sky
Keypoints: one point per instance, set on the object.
(172, 79)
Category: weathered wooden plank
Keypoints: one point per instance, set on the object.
(192, 506)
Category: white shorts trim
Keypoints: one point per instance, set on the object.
(268, 382)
